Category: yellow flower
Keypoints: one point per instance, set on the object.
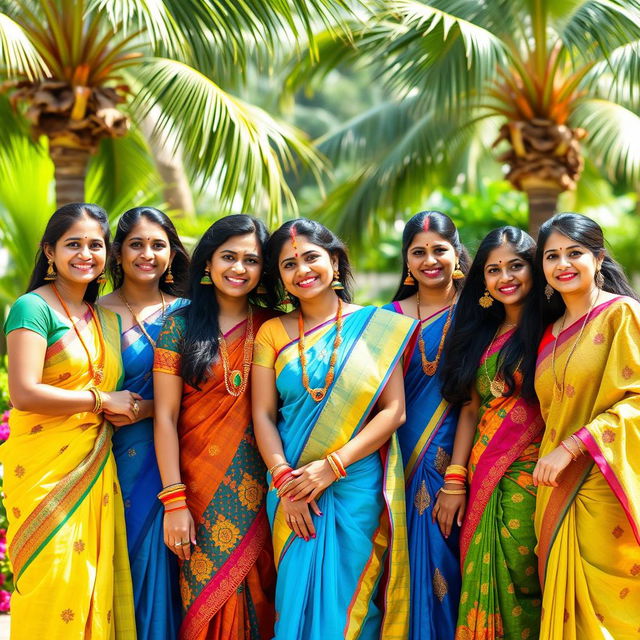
(250, 492)
(224, 533)
(201, 567)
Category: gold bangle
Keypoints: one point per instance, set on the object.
(277, 466)
(334, 467)
(97, 400)
(456, 468)
(454, 492)
(578, 443)
(283, 488)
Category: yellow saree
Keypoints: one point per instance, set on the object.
(587, 527)
(66, 536)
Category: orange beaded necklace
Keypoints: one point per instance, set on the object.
(97, 373)
(319, 393)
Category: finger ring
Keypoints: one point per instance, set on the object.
(136, 408)
(180, 544)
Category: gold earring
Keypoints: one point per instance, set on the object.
(485, 300)
(336, 285)
(168, 279)
(457, 272)
(409, 281)
(549, 291)
(51, 272)
(599, 278)
(206, 278)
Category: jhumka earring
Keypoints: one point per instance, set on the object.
(336, 285)
(549, 291)
(485, 300)
(457, 272)
(102, 278)
(409, 281)
(206, 278)
(168, 278)
(599, 278)
(51, 272)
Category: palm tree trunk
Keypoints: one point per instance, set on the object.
(543, 203)
(70, 173)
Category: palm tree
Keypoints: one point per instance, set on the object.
(82, 71)
(552, 83)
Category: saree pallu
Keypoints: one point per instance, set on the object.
(335, 585)
(500, 589)
(426, 442)
(66, 537)
(587, 527)
(227, 585)
(154, 569)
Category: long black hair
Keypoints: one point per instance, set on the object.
(180, 263)
(441, 224)
(474, 327)
(59, 223)
(588, 233)
(317, 234)
(199, 345)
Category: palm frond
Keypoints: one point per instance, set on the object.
(613, 135)
(18, 56)
(242, 148)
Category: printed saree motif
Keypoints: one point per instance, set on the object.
(587, 527)
(500, 589)
(227, 585)
(154, 569)
(426, 442)
(66, 532)
(352, 580)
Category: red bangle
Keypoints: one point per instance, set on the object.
(283, 473)
(455, 476)
(184, 506)
(283, 479)
(338, 462)
(574, 457)
(174, 495)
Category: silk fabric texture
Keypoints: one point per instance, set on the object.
(66, 535)
(352, 580)
(227, 585)
(587, 527)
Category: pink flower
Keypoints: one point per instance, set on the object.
(5, 416)
(5, 601)
(4, 431)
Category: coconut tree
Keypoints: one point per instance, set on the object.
(536, 86)
(81, 71)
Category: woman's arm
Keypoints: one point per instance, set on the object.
(178, 525)
(449, 506)
(316, 476)
(27, 351)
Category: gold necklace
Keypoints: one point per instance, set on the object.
(558, 388)
(235, 381)
(97, 373)
(137, 320)
(431, 366)
(319, 393)
(496, 384)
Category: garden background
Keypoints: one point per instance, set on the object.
(357, 113)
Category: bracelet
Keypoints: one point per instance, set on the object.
(277, 466)
(338, 460)
(284, 487)
(172, 487)
(453, 492)
(334, 468)
(456, 469)
(455, 477)
(283, 479)
(172, 500)
(97, 399)
(460, 483)
(578, 443)
(277, 480)
(184, 506)
(574, 457)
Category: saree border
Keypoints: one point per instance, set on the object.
(55, 509)
(226, 580)
(558, 504)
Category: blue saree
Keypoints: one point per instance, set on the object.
(154, 569)
(352, 580)
(426, 441)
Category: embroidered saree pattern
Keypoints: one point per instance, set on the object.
(154, 569)
(500, 589)
(589, 549)
(65, 507)
(227, 585)
(352, 580)
(426, 442)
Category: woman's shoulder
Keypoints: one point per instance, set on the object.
(618, 307)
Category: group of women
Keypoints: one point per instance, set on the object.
(226, 446)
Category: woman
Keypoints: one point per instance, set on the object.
(588, 381)
(66, 535)
(327, 398)
(489, 369)
(148, 267)
(434, 265)
(204, 440)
